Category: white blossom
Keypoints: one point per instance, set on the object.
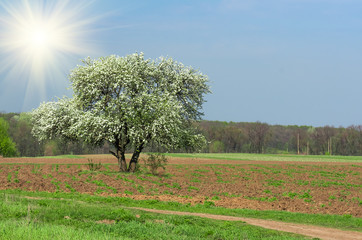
(127, 101)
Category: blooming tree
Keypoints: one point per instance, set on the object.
(129, 102)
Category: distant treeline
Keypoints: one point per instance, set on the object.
(27, 146)
(223, 137)
(264, 138)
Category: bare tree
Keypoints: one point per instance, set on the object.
(257, 133)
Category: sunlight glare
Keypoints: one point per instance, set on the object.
(39, 38)
(41, 41)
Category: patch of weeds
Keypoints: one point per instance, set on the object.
(202, 170)
(93, 166)
(141, 178)
(100, 183)
(69, 186)
(358, 200)
(9, 177)
(140, 189)
(74, 178)
(106, 166)
(262, 199)
(179, 166)
(55, 168)
(226, 194)
(126, 179)
(46, 176)
(89, 178)
(236, 195)
(332, 197)
(192, 188)
(306, 196)
(197, 175)
(209, 204)
(302, 183)
(36, 169)
(176, 185)
(100, 190)
(215, 198)
(154, 190)
(167, 175)
(272, 199)
(128, 192)
(113, 189)
(154, 161)
(16, 180)
(195, 180)
(274, 182)
(267, 191)
(220, 180)
(168, 192)
(56, 184)
(186, 196)
(290, 194)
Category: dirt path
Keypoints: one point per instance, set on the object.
(307, 230)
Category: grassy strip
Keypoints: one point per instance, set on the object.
(49, 218)
(62, 156)
(345, 222)
(268, 157)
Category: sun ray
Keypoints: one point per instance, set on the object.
(39, 41)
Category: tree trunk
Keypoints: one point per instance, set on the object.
(122, 162)
(134, 160)
(120, 155)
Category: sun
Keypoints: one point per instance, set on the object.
(39, 40)
(38, 37)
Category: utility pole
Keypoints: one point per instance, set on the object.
(308, 147)
(298, 143)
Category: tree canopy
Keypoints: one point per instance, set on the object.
(129, 102)
(7, 146)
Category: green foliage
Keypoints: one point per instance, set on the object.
(49, 218)
(94, 166)
(7, 146)
(82, 215)
(216, 147)
(154, 161)
(269, 157)
(127, 101)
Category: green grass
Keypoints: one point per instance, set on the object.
(345, 222)
(62, 156)
(83, 217)
(269, 157)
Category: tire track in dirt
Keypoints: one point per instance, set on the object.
(306, 230)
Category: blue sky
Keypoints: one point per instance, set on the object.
(290, 62)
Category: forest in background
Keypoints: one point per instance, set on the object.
(222, 137)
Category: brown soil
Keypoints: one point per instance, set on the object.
(307, 230)
(296, 187)
(109, 159)
(324, 188)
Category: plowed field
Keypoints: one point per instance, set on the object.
(332, 188)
